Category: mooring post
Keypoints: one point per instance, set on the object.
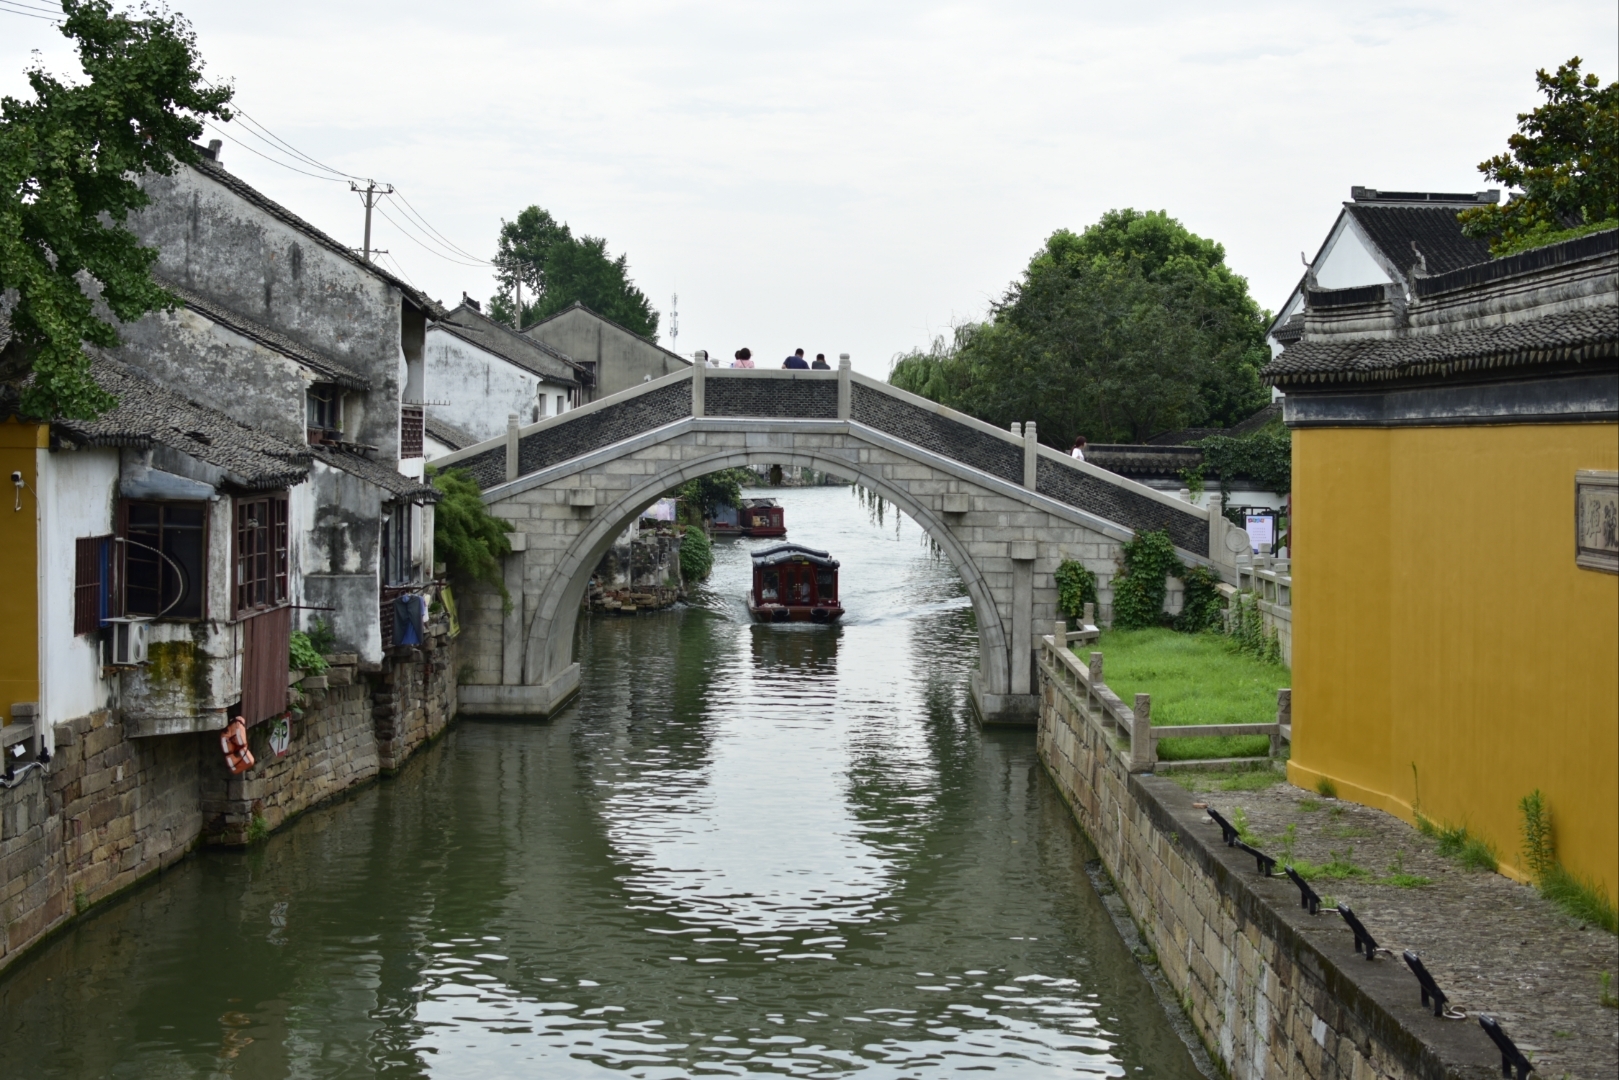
(699, 382)
(1031, 455)
(511, 446)
(843, 386)
(1142, 753)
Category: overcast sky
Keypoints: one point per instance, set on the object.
(856, 177)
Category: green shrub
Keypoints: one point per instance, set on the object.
(1264, 456)
(1539, 850)
(1138, 593)
(1583, 899)
(466, 536)
(1203, 607)
(696, 555)
(258, 830)
(1076, 587)
(321, 636)
(303, 656)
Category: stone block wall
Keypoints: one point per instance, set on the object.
(414, 698)
(1270, 991)
(110, 809)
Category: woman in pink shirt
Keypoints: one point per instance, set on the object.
(744, 357)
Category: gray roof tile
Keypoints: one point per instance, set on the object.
(148, 414)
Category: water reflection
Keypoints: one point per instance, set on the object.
(748, 850)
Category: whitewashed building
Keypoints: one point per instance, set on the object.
(479, 372)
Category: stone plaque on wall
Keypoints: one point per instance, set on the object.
(1596, 520)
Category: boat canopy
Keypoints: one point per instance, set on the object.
(781, 553)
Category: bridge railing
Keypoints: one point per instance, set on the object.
(1128, 729)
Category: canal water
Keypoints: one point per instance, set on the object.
(744, 850)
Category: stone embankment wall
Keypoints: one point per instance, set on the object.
(110, 810)
(1270, 991)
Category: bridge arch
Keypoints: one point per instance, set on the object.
(549, 636)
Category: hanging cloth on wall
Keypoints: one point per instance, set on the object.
(408, 614)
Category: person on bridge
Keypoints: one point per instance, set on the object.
(796, 360)
(820, 362)
(744, 357)
(1079, 448)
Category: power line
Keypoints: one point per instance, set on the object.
(28, 14)
(267, 157)
(28, 5)
(417, 215)
(413, 239)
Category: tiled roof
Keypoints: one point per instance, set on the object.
(395, 483)
(531, 354)
(328, 369)
(148, 414)
(1434, 229)
(220, 175)
(1570, 336)
(448, 434)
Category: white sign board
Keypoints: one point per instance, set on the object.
(1261, 531)
(280, 736)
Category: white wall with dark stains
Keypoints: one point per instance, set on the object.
(78, 491)
(475, 390)
(215, 241)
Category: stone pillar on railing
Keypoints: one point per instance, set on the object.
(1143, 755)
(699, 384)
(843, 386)
(1031, 455)
(1284, 721)
(511, 446)
(1095, 671)
(1059, 634)
(1090, 615)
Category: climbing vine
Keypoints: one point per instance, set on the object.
(1265, 457)
(1202, 608)
(466, 536)
(1076, 587)
(1138, 593)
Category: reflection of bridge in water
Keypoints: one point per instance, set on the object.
(1003, 509)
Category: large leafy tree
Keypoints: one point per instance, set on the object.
(1133, 327)
(70, 163)
(557, 268)
(1564, 158)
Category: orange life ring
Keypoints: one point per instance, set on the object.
(233, 740)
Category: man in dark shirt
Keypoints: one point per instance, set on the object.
(796, 360)
(820, 362)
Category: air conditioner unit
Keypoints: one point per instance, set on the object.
(126, 641)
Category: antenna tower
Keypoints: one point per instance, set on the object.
(674, 322)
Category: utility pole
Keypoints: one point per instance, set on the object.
(674, 322)
(517, 315)
(369, 195)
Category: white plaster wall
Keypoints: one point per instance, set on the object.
(1348, 261)
(473, 389)
(77, 492)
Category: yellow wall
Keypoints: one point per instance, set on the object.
(1439, 619)
(19, 566)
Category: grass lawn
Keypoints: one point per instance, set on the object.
(1193, 679)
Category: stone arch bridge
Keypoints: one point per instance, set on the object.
(1002, 508)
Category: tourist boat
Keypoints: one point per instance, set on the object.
(793, 583)
(762, 517)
